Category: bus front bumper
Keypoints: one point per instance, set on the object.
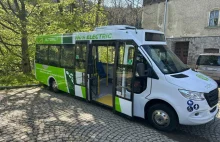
(200, 117)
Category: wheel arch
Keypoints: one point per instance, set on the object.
(157, 101)
(50, 79)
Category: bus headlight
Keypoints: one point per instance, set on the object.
(198, 96)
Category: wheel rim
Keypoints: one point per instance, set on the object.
(161, 118)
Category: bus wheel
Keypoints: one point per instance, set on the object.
(54, 86)
(162, 117)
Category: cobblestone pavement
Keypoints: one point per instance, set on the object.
(35, 114)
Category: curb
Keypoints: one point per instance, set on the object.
(14, 87)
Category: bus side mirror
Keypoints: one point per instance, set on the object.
(141, 70)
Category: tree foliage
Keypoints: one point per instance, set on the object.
(124, 12)
(22, 20)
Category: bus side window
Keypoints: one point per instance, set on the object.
(54, 54)
(67, 56)
(42, 54)
(140, 83)
(80, 57)
(80, 63)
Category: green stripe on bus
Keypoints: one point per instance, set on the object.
(117, 104)
(83, 89)
(49, 39)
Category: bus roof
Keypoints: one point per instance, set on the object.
(114, 32)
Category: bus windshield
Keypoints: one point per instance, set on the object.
(165, 59)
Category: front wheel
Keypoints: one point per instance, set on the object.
(162, 117)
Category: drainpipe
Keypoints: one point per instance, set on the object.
(165, 17)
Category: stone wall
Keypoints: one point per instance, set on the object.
(196, 46)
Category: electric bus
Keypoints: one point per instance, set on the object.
(130, 70)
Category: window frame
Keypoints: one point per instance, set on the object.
(209, 19)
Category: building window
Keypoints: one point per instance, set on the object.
(211, 50)
(214, 18)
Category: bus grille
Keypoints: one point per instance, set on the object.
(212, 97)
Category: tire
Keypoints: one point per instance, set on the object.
(54, 86)
(162, 117)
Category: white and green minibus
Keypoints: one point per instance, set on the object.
(130, 70)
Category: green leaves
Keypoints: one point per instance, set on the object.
(22, 20)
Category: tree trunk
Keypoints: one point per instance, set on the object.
(26, 67)
(97, 13)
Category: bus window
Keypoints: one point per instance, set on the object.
(80, 63)
(42, 54)
(54, 55)
(129, 58)
(124, 71)
(130, 55)
(80, 57)
(67, 56)
(103, 56)
(140, 83)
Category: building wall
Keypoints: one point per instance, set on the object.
(186, 18)
(196, 46)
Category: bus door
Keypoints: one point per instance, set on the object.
(92, 71)
(100, 68)
(81, 76)
(124, 76)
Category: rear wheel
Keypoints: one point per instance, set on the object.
(54, 86)
(162, 117)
